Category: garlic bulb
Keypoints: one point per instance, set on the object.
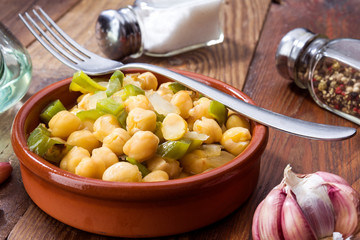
(311, 206)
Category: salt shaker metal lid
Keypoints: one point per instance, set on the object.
(290, 48)
(118, 33)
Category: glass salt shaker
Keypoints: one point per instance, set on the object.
(159, 28)
(329, 69)
(15, 69)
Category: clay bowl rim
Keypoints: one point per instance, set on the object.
(106, 189)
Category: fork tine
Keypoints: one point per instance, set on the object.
(65, 36)
(52, 42)
(45, 45)
(62, 42)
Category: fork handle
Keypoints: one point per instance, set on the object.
(271, 119)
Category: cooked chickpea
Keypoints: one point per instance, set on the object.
(104, 125)
(122, 172)
(104, 154)
(195, 162)
(209, 127)
(156, 176)
(73, 157)
(165, 91)
(140, 120)
(148, 81)
(63, 124)
(116, 140)
(83, 138)
(235, 120)
(83, 101)
(173, 127)
(139, 101)
(236, 139)
(170, 166)
(88, 124)
(89, 167)
(141, 146)
(183, 101)
(200, 109)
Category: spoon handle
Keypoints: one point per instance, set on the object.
(271, 119)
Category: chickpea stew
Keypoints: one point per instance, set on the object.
(130, 128)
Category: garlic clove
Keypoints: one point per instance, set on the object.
(269, 224)
(312, 197)
(255, 224)
(332, 178)
(346, 205)
(293, 222)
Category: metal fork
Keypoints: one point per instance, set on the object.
(75, 56)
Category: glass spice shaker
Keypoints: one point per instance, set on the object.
(15, 69)
(159, 28)
(329, 69)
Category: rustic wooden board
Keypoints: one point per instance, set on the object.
(11, 9)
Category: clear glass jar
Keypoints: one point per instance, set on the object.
(159, 28)
(15, 69)
(329, 69)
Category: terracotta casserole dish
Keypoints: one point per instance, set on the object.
(134, 209)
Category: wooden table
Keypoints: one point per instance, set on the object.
(253, 29)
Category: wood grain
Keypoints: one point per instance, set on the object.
(11, 9)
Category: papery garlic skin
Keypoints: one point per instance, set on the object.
(312, 206)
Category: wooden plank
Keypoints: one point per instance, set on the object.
(271, 91)
(9, 11)
(228, 61)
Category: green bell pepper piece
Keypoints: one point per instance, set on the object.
(159, 117)
(109, 105)
(122, 118)
(173, 149)
(82, 82)
(50, 111)
(51, 149)
(218, 111)
(91, 114)
(175, 87)
(115, 83)
(76, 88)
(144, 171)
(195, 144)
(131, 90)
(158, 131)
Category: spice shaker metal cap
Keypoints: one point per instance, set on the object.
(289, 49)
(118, 33)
